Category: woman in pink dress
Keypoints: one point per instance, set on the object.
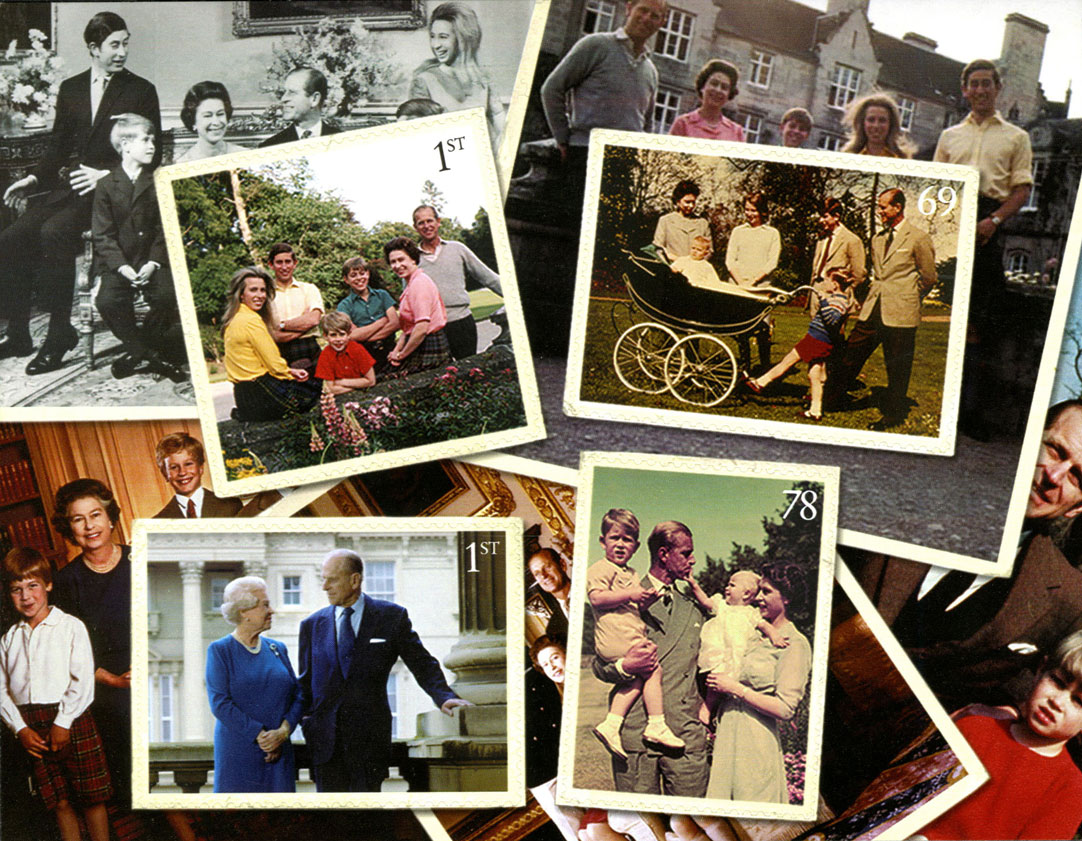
(421, 314)
(716, 84)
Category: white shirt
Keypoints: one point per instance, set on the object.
(933, 576)
(196, 497)
(49, 664)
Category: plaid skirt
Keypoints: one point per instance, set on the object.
(80, 768)
(433, 352)
(302, 352)
(269, 398)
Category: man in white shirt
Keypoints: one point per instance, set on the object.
(297, 308)
(976, 638)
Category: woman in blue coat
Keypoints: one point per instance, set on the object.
(254, 694)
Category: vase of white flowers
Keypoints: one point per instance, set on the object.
(29, 84)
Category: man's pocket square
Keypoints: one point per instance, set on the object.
(376, 639)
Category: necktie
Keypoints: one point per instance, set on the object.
(346, 639)
(826, 253)
(306, 134)
(191, 510)
(890, 241)
(97, 91)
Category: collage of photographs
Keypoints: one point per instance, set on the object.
(773, 300)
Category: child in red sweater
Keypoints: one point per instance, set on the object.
(344, 364)
(1035, 790)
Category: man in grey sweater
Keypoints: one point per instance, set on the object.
(606, 80)
(449, 263)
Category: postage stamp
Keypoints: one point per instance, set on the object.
(374, 353)
(663, 654)
(415, 711)
(695, 253)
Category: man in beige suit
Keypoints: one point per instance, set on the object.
(837, 246)
(903, 259)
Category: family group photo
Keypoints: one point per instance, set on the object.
(695, 686)
(347, 308)
(93, 101)
(327, 670)
(774, 289)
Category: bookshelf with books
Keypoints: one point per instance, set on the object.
(23, 521)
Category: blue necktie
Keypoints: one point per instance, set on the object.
(346, 639)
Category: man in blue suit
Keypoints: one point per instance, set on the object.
(347, 651)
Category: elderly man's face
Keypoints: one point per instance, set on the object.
(546, 572)
(1057, 482)
(342, 586)
(679, 556)
(644, 18)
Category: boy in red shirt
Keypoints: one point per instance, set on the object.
(343, 365)
(1035, 790)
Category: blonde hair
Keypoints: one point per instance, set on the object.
(335, 322)
(1067, 656)
(896, 142)
(129, 127)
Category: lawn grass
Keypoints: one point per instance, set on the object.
(784, 399)
(484, 302)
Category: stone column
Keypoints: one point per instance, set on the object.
(192, 695)
(469, 752)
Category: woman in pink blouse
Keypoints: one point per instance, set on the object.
(421, 313)
(716, 84)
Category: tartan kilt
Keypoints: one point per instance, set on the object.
(433, 352)
(301, 353)
(80, 768)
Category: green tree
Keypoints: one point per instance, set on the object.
(433, 197)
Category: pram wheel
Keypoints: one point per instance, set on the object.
(700, 369)
(639, 357)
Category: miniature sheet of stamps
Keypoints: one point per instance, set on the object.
(324, 338)
(90, 325)
(769, 291)
(663, 653)
(331, 675)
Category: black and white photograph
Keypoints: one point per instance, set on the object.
(330, 677)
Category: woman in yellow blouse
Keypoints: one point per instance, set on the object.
(875, 128)
(264, 387)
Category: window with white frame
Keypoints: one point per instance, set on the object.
(762, 65)
(1018, 262)
(844, 85)
(379, 579)
(1040, 172)
(600, 16)
(907, 109)
(162, 719)
(666, 107)
(392, 700)
(674, 38)
(829, 142)
(753, 127)
(291, 589)
(217, 590)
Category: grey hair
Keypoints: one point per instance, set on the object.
(239, 596)
(352, 559)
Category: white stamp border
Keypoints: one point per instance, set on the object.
(472, 123)
(566, 792)
(942, 444)
(513, 795)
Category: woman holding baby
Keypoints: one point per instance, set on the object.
(748, 764)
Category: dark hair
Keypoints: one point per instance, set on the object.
(174, 443)
(687, 187)
(418, 108)
(545, 641)
(798, 115)
(82, 489)
(402, 244)
(832, 206)
(197, 94)
(895, 196)
(718, 65)
(354, 263)
(981, 64)
(663, 535)
(101, 26)
(26, 562)
(1059, 408)
(314, 82)
(792, 583)
(279, 248)
(759, 200)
